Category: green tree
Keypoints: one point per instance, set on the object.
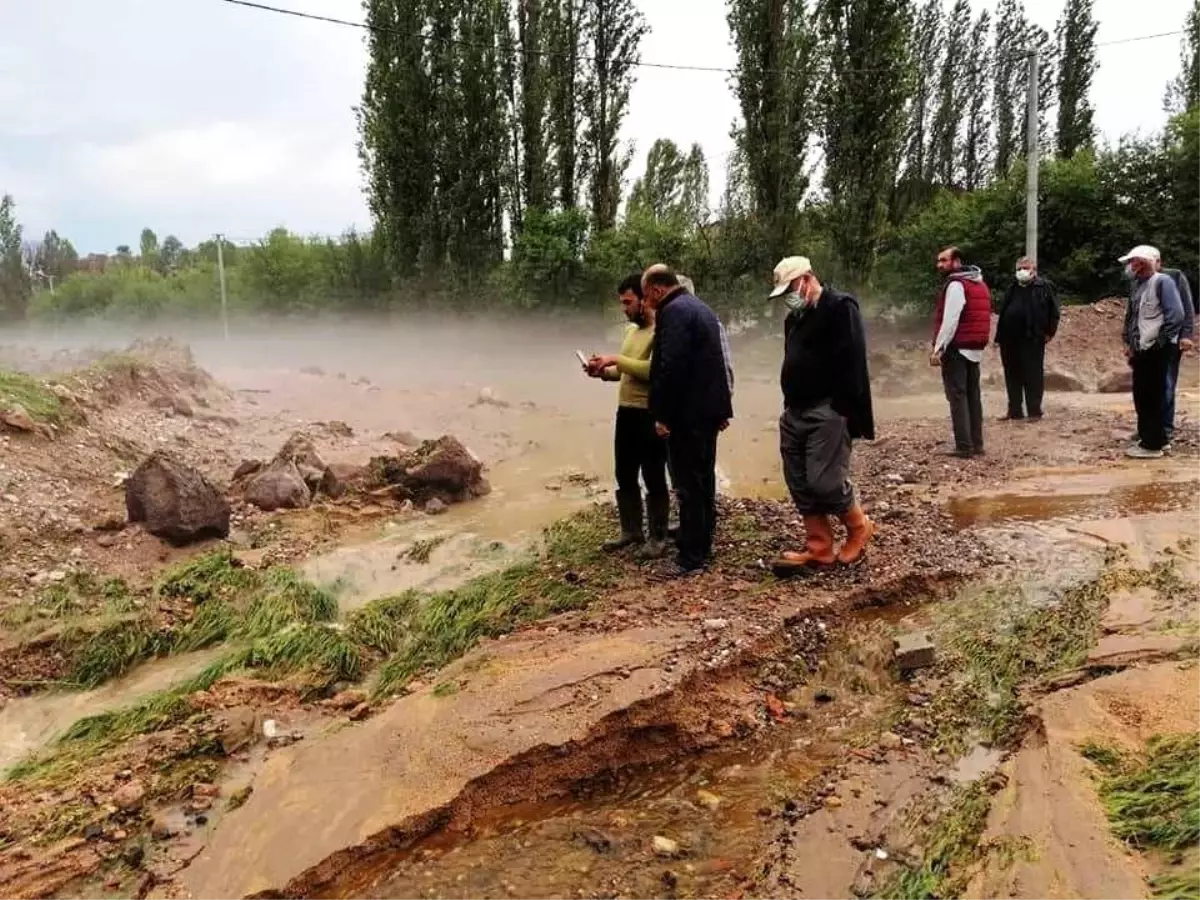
(612, 32)
(171, 252)
(1076, 36)
(396, 128)
(863, 102)
(657, 194)
(148, 245)
(775, 78)
(563, 18)
(15, 287)
(1183, 93)
(55, 256)
(531, 50)
(944, 143)
(1007, 99)
(926, 48)
(977, 137)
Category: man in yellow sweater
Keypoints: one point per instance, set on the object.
(638, 449)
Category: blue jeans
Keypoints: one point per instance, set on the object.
(1173, 358)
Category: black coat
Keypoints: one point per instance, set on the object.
(825, 359)
(689, 387)
(1028, 312)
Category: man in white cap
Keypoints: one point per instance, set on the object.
(826, 405)
(1153, 322)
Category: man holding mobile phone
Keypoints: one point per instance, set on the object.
(638, 449)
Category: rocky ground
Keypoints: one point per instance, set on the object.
(165, 792)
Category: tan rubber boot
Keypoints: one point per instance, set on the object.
(818, 549)
(859, 530)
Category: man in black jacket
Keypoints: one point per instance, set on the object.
(826, 405)
(1029, 316)
(691, 403)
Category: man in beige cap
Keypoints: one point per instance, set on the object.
(827, 404)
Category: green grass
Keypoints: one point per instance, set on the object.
(421, 550)
(207, 577)
(281, 599)
(382, 624)
(112, 651)
(446, 689)
(35, 396)
(995, 639)
(1152, 800)
(951, 845)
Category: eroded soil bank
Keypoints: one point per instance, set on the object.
(356, 700)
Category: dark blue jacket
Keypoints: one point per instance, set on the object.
(689, 387)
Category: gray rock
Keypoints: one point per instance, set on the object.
(1119, 381)
(914, 651)
(279, 486)
(175, 501)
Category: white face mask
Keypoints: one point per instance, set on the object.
(1024, 276)
(795, 301)
(1129, 273)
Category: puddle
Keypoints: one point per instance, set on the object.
(979, 762)
(1071, 499)
(30, 723)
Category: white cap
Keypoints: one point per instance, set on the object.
(1141, 251)
(788, 270)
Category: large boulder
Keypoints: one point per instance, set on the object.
(175, 501)
(279, 486)
(300, 451)
(442, 469)
(1119, 381)
(1059, 380)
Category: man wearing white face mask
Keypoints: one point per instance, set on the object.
(827, 404)
(1029, 316)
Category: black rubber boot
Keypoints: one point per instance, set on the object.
(658, 510)
(629, 509)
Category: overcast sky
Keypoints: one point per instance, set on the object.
(195, 116)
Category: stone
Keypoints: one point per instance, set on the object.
(889, 740)
(133, 855)
(205, 789)
(708, 799)
(913, 651)
(246, 468)
(436, 506)
(161, 830)
(279, 486)
(715, 624)
(130, 796)
(594, 838)
(360, 712)
(1063, 381)
(17, 418)
(175, 501)
(833, 802)
(238, 729)
(1118, 381)
(664, 846)
(347, 700)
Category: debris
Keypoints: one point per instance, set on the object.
(594, 838)
(17, 418)
(715, 624)
(889, 740)
(175, 501)
(833, 802)
(1063, 381)
(130, 796)
(436, 506)
(360, 712)
(914, 651)
(708, 799)
(279, 486)
(269, 729)
(1119, 381)
(161, 830)
(664, 846)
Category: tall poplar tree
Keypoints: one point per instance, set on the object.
(612, 35)
(862, 103)
(1076, 36)
(775, 81)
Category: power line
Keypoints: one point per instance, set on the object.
(679, 67)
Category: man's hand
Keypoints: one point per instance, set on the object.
(661, 430)
(724, 424)
(935, 358)
(1187, 345)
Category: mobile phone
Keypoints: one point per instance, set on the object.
(582, 359)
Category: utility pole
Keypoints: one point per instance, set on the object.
(221, 274)
(1031, 160)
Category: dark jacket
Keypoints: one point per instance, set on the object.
(1189, 301)
(1028, 312)
(689, 386)
(825, 359)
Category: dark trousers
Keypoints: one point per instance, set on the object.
(639, 450)
(815, 446)
(960, 378)
(1024, 376)
(1150, 368)
(1173, 360)
(693, 452)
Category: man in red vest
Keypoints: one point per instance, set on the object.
(961, 328)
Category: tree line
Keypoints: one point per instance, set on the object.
(870, 133)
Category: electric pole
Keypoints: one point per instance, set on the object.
(221, 275)
(1031, 160)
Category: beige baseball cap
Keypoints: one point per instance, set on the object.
(1141, 251)
(788, 270)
